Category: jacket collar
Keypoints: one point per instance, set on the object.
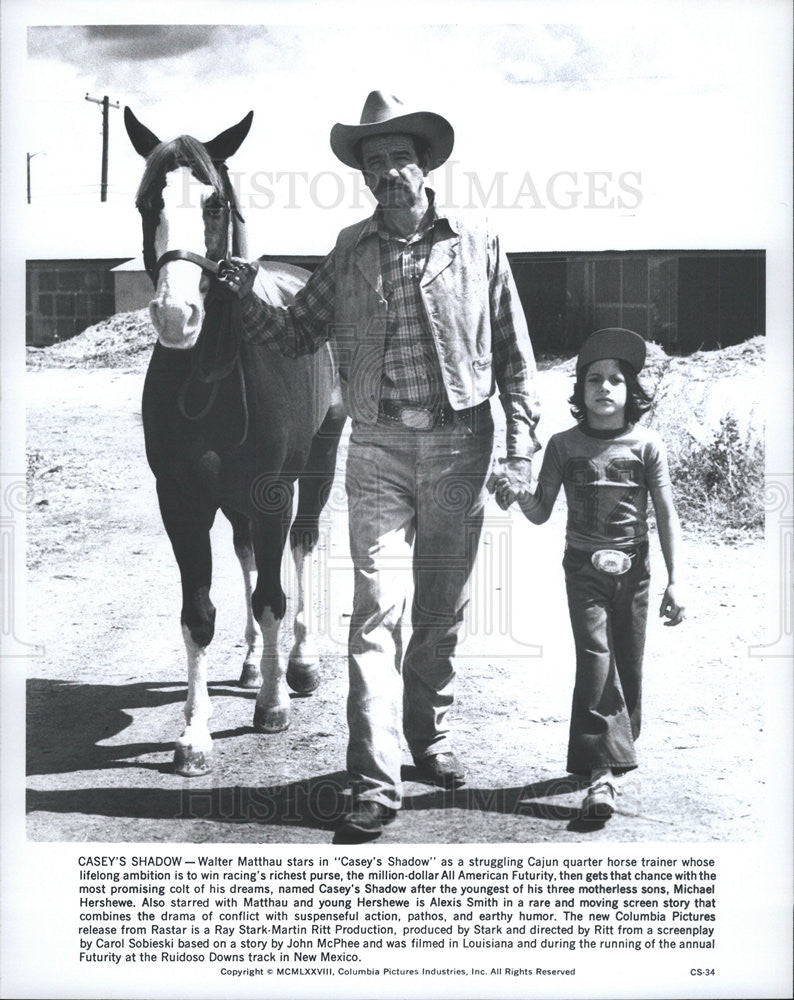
(442, 252)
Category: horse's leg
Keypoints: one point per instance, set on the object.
(314, 486)
(188, 524)
(272, 710)
(250, 676)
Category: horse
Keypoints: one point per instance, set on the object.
(228, 426)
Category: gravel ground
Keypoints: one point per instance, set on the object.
(105, 697)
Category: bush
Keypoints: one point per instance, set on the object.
(719, 485)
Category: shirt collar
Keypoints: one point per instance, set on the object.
(374, 225)
(605, 435)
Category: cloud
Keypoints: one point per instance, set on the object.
(103, 42)
(148, 59)
(146, 42)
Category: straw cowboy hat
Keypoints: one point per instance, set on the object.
(385, 113)
(623, 345)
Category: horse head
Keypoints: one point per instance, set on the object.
(190, 217)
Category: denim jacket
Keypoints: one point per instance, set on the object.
(471, 307)
(472, 310)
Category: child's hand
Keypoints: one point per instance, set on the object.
(670, 608)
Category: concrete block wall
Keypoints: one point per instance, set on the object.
(63, 297)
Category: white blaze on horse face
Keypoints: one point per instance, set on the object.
(177, 310)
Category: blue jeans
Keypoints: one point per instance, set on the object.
(608, 618)
(416, 501)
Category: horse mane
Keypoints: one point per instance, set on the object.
(184, 151)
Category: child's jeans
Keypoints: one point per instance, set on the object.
(608, 618)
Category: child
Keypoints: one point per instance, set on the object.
(608, 464)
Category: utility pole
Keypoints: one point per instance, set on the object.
(29, 158)
(105, 102)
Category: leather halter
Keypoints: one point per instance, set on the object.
(215, 267)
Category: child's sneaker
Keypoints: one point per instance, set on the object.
(599, 802)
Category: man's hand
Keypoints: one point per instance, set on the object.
(510, 479)
(670, 608)
(239, 275)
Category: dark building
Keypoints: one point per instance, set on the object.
(63, 297)
(685, 300)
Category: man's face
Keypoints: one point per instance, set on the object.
(391, 170)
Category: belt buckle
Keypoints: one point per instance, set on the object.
(611, 561)
(416, 418)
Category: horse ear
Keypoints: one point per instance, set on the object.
(226, 144)
(142, 139)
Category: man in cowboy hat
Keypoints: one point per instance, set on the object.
(426, 321)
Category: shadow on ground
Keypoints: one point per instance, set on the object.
(68, 722)
(314, 803)
(90, 714)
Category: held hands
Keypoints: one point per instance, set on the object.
(510, 479)
(670, 608)
(238, 275)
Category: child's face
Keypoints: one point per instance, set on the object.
(605, 394)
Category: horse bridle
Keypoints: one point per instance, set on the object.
(217, 268)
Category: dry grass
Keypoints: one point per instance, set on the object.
(708, 409)
(719, 487)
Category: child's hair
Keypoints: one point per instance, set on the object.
(638, 399)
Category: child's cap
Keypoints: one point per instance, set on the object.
(623, 345)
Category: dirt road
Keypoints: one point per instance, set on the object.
(105, 695)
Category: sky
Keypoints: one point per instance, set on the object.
(577, 127)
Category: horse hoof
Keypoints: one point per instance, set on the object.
(192, 763)
(303, 677)
(271, 720)
(251, 676)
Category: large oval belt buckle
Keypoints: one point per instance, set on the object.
(416, 419)
(611, 561)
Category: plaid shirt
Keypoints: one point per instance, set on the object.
(411, 370)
